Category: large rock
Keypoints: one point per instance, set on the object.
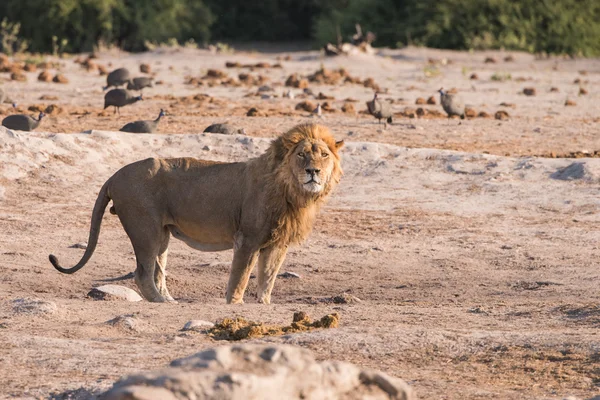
(108, 292)
(34, 306)
(259, 371)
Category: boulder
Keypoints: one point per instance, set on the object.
(107, 292)
(259, 371)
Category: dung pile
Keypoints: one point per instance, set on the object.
(240, 328)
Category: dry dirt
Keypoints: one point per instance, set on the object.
(475, 262)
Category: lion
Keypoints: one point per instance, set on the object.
(258, 208)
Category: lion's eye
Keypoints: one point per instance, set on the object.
(324, 155)
(301, 155)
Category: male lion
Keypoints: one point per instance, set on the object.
(258, 208)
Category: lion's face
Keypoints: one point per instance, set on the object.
(312, 164)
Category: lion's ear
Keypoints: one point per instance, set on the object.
(289, 141)
(339, 144)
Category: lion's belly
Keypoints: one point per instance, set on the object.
(200, 241)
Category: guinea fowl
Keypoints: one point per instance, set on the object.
(380, 109)
(452, 104)
(225, 129)
(119, 98)
(117, 78)
(139, 83)
(145, 126)
(20, 122)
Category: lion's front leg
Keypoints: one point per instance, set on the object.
(243, 262)
(269, 263)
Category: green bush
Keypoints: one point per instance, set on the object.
(551, 26)
(126, 23)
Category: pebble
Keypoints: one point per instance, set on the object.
(288, 275)
(197, 325)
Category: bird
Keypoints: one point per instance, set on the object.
(139, 83)
(452, 104)
(225, 129)
(21, 122)
(144, 126)
(380, 109)
(117, 78)
(119, 98)
(317, 111)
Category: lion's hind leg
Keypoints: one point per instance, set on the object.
(146, 234)
(161, 266)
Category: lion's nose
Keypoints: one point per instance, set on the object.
(312, 171)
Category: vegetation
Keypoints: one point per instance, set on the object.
(550, 26)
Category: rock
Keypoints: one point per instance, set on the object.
(60, 78)
(501, 115)
(569, 102)
(490, 60)
(554, 89)
(345, 298)
(483, 114)
(509, 58)
(474, 77)
(431, 100)
(348, 108)
(529, 91)
(255, 112)
(288, 274)
(420, 101)
(197, 325)
(574, 171)
(18, 76)
(259, 371)
(34, 306)
(145, 68)
(582, 91)
(109, 292)
(30, 68)
(128, 322)
(470, 112)
(305, 105)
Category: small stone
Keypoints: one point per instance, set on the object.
(490, 60)
(145, 68)
(582, 91)
(570, 103)
(18, 76)
(346, 298)
(34, 306)
(288, 274)
(501, 115)
(81, 245)
(109, 292)
(483, 114)
(305, 105)
(554, 89)
(128, 321)
(470, 112)
(348, 108)
(420, 100)
(60, 78)
(529, 91)
(30, 67)
(431, 100)
(509, 58)
(474, 77)
(197, 325)
(206, 148)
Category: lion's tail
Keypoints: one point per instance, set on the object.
(97, 214)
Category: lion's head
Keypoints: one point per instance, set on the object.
(307, 160)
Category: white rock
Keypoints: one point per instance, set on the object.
(259, 371)
(288, 274)
(197, 325)
(34, 306)
(122, 292)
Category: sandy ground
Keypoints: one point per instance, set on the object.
(475, 261)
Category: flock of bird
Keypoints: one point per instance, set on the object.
(117, 98)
